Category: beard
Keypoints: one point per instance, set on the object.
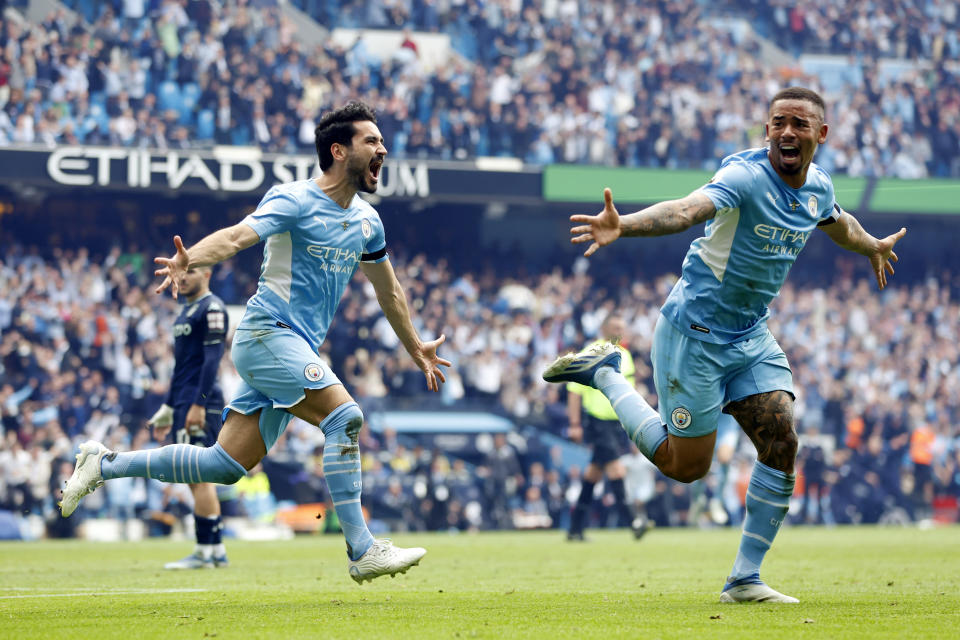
(790, 169)
(358, 176)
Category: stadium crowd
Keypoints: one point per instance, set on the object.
(672, 83)
(85, 353)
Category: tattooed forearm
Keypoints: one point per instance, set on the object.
(850, 234)
(668, 217)
(767, 419)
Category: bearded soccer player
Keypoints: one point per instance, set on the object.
(317, 232)
(194, 405)
(712, 351)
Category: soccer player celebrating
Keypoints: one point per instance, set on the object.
(712, 351)
(194, 404)
(317, 233)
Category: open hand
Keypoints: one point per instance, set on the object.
(599, 230)
(429, 362)
(883, 257)
(173, 268)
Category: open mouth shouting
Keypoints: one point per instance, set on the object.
(790, 151)
(790, 157)
(374, 170)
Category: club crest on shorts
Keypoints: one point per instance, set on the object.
(681, 418)
(812, 206)
(365, 228)
(313, 372)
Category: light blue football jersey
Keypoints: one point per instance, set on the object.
(736, 269)
(312, 249)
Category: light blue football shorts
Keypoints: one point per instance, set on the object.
(276, 366)
(696, 379)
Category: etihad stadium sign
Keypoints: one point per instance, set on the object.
(244, 170)
(223, 169)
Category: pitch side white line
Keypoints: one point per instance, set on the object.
(77, 594)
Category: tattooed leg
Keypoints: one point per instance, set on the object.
(767, 419)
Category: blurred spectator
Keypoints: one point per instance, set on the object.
(636, 84)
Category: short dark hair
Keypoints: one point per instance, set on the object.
(800, 93)
(336, 127)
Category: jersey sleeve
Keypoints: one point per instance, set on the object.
(374, 246)
(729, 185)
(279, 211)
(833, 210)
(832, 216)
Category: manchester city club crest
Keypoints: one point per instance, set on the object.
(365, 228)
(313, 372)
(812, 206)
(681, 418)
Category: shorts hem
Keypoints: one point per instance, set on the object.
(277, 405)
(230, 407)
(688, 434)
(756, 393)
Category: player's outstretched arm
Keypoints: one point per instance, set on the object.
(393, 301)
(216, 247)
(849, 234)
(664, 218)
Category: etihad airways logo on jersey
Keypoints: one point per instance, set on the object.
(780, 234)
(788, 241)
(335, 259)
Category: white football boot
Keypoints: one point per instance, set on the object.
(85, 478)
(195, 560)
(581, 367)
(753, 591)
(383, 558)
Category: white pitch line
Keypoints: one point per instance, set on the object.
(101, 593)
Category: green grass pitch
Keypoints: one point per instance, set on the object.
(852, 583)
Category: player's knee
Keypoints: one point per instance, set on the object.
(228, 475)
(354, 421)
(220, 467)
(786, 446)
(615, 470)
(348, 420)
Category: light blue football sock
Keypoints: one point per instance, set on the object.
(768, 499)
(341, 468)
(640, 421)
(174, 463)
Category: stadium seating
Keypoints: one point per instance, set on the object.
(856, 409)
(628, 99)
